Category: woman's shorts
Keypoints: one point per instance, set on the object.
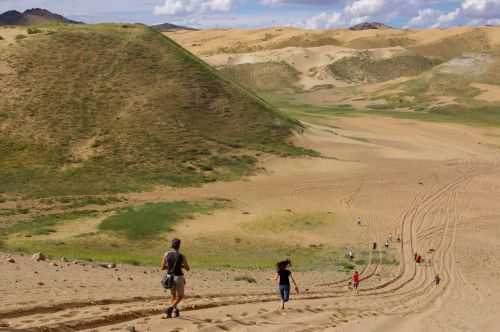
(177, 289)
(285, 292)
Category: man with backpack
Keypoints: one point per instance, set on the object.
(174, 263)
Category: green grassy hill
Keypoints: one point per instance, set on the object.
(108, 108)
(264, 77)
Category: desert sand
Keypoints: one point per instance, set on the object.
(436, 185)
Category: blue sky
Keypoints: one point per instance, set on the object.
(264, 13)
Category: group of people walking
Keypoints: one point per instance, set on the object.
(175, 264)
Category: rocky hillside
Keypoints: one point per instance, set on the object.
(32, 16)
(169, 27)
(369, 26)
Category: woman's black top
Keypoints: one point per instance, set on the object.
(284, 277)
(173, 267)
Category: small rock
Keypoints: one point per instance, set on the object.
(38, 257)
(41, 284)
(111, 266)
(11, 260)
(54, 264)
(245, 212)
(64, 259)
(131, 329)
(119, 279)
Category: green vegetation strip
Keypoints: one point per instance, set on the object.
(44, 225)
(154, 219)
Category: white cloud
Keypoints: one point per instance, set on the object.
(361, 8)
(187, 7)
(481, 9)
(326, 20)
(434, 18)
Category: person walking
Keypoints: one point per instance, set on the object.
(387, 244)
(374, 246)
(175, 264)
(283, 276)
(355, 282)
(437, 279)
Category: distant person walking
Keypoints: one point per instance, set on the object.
(283, 276)
(359, 221)
(175, 263)
(355, 281)
(350, 255)
(387, 244)
(437, 279)
(374, 246)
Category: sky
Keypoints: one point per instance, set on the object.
(310, 14)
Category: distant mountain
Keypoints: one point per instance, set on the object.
(32, 16)
(369, 26)
(167, 27)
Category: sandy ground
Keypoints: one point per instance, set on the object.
(489, 92)
(437, 185)
(310, 62)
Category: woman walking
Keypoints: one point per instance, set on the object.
(283, 276)
(175, 263)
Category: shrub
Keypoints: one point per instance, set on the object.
(32, 31)
(19, 37)
(248, 279)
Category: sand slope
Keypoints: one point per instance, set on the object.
(431, 183)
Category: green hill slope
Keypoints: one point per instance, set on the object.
(106, 108)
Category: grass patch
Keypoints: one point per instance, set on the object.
(269, 76)
(154, 219)
(364, 69)
(302, 222)
(43, 225)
